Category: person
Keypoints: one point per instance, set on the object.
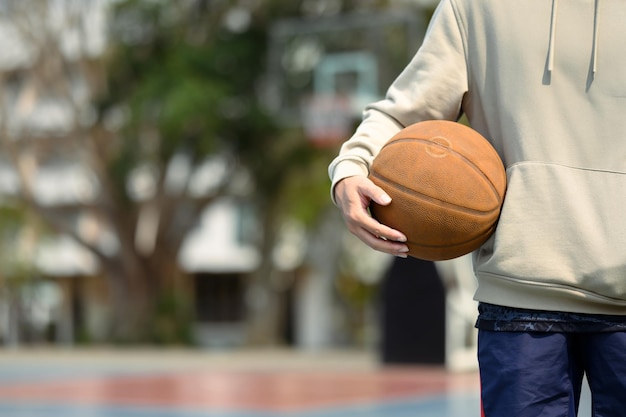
(545, 82)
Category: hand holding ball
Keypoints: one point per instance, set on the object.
(447, 185)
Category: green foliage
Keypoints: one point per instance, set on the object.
(16, 259)
(185, 83)
(357, 298)
(195, 91)
(171, 321)
(306, 193)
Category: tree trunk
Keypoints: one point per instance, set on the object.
(264, 298)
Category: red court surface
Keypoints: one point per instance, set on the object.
(233, 384)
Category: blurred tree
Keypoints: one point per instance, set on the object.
(182, 77)
(187, 75)
(18, 275)
(175, 88)
(170, 87)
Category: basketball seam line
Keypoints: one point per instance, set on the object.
(470, 163)
(484, 236)
(407, 190)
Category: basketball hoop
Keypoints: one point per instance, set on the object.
(326, 119)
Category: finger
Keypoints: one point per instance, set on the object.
(363, 222)
(362, 219)
(374, 193)
(379, 196)
(382, 231)
(382, 244)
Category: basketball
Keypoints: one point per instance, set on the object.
(447, 185)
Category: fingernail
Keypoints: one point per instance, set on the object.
(402, 255)
(385, 199)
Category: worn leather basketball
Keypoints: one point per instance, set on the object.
(447, 185)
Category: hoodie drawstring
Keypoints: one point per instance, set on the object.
(555, 5)
(596, 23)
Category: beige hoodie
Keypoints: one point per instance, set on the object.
(545, 82)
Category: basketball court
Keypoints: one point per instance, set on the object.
(229, 384)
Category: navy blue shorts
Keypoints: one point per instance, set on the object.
(539, 374)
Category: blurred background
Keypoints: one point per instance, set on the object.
(163, 180)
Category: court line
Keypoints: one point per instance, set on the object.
(450, 405)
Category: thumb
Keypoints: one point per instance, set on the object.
(379, 196)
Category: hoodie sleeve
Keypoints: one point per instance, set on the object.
(432, 86)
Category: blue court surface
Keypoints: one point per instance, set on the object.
(228, 384)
